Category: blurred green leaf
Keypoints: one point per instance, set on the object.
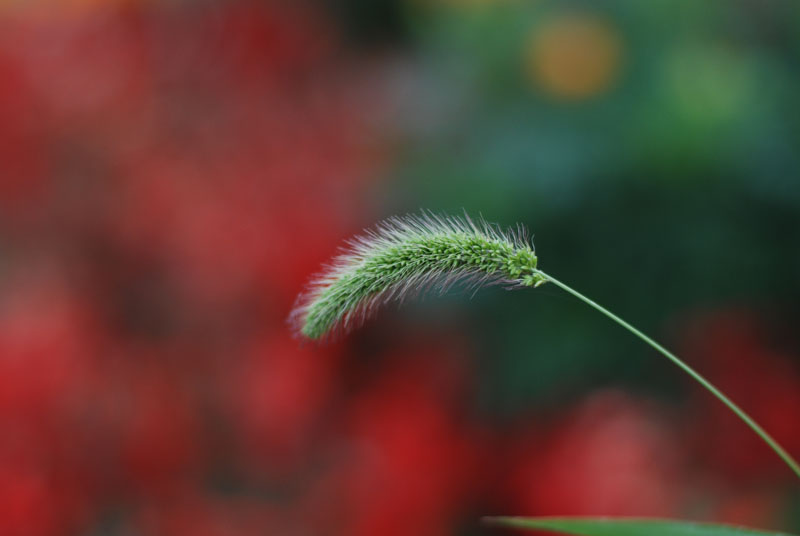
(625, 527)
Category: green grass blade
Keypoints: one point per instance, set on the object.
(586, 526)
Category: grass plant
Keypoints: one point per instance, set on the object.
(406, 255)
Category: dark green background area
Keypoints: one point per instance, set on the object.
(657, 198)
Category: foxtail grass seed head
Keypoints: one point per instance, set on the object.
(403, 255)
(412, 253)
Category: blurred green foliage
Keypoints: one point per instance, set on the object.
(666, 184)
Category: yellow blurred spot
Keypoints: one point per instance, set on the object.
(574, 56)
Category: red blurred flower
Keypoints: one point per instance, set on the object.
(405, 462)
(47, 348)
(161, 439)
(208, 515)
(279, 394)
(178, 171)
(612, 455)
(733, 350)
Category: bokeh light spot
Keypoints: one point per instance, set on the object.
(574, 56)
(710, 85)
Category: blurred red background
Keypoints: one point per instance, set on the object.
(170, 176)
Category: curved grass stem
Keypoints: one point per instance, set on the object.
(773, 444)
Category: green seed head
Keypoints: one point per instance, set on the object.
(407, 254)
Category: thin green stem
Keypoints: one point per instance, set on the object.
(774, 445)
